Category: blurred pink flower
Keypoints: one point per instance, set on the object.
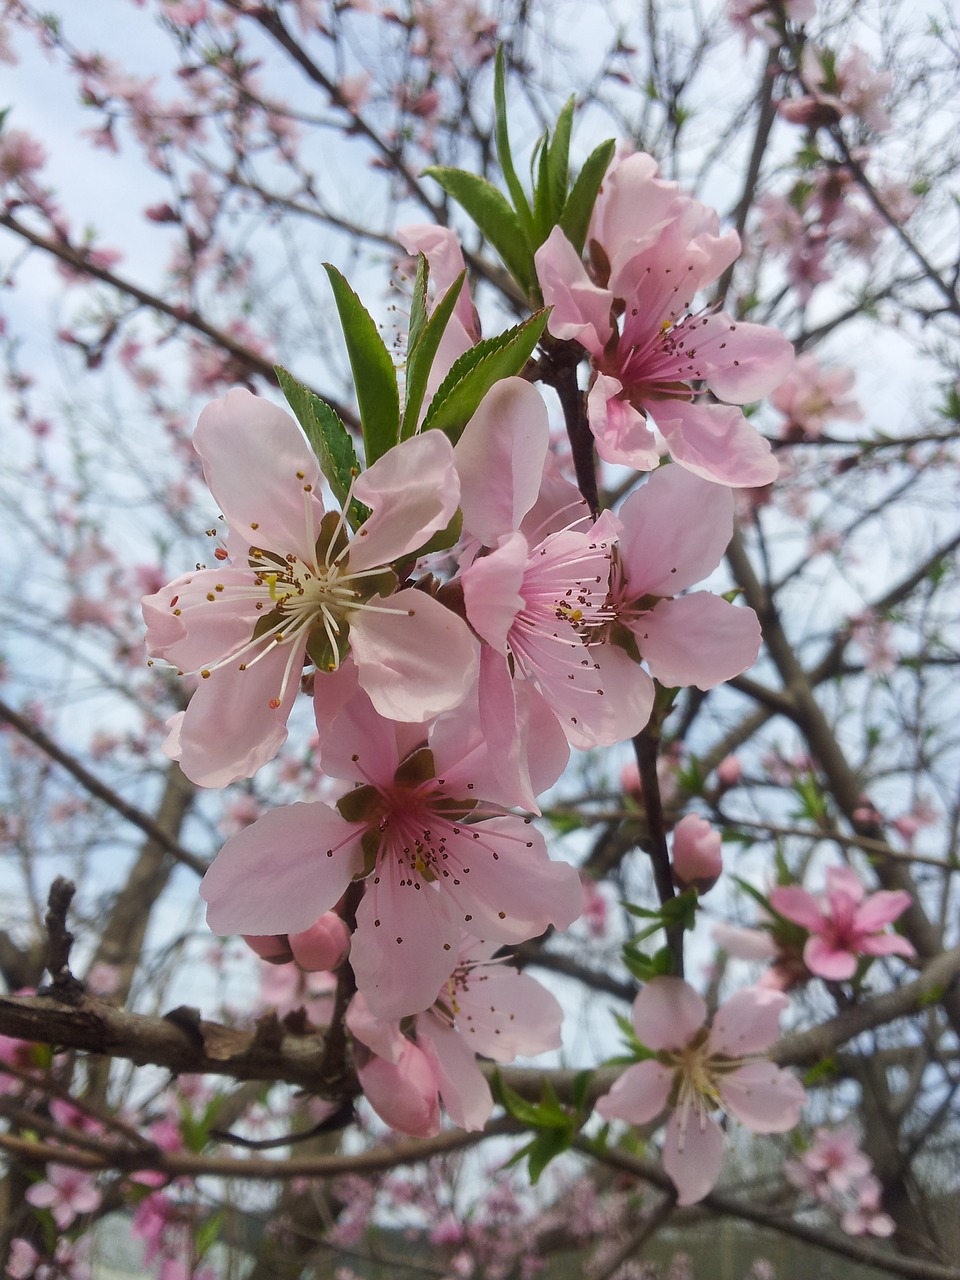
(697, 860)
(845, 923)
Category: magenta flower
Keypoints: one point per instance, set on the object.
(844, 924)
(696, 1070)
(300, 587)
(664, 354)
(423, 825)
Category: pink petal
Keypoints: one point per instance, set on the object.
(415, 658)
(667, 1014)
(580, 309)
(502, 1013)
(661, 554)
(277, 875)
(491, 590)
(465, 1093)
(229, 728)
(622, 433)
(382, 1037)
(845, 885)
(887, 944)
(744, 944)
(445, 258)
(764, 1097)
(717, 442)
(699, 640)
(742, 362)
(500, 458)
(692, 1155)
(413, 490)
(405, 944)
(639, 1095)
(828, 960)
(881, 909)
(799, 906)
(748, 1022)
(257, 464)
(600, 721)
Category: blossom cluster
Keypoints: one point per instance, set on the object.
(461, 619)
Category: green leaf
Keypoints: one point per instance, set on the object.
(575, 218)
(544, 1148)
(329, 439)
(209, 1233)
(514, 185)
(491, 211)
(472, 376)
(373, 371)
(421, 354)
(551, 199)
(418, 304)
(511, 1101)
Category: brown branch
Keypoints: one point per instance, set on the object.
(90, 782)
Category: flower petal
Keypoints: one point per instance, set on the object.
(465, 1093)
(717, 442)
(693, 1155)
(639, 1095)
(667, 1013)
(283, 872)
(748, 1022)
(762, 1096)
(413, 490)
(415, 658)
(699, 640)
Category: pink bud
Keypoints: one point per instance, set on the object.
(403, 1093)
(271, 947)
(696, 854)
(729, 771)
(323, 946)
(630, 780)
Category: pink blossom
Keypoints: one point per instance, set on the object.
(436, 853)
(844, 924)
(537, 601)
(67, 1193)
(729, 771)
(19, 155)
(695, 1071)
(810, 396)
(697, 639)
(866, 1217)
(697, 860)
(323, 946)
(484, 1007)
(247, 627)
(664, 353)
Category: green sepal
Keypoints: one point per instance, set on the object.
(417, 768)
(458, 396)
(421, 352)
(360, 804)
(374, 374)
(329, 439)
(491, 211)
(575, 219)
(504, 156)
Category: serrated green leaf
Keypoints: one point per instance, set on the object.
(418, 304)
(373, 372)
(514, 185)
(575, 219)
(329, 439)
(493, 214)
(541, 192)
(459, 395)
(420, 356)
(544, 1148)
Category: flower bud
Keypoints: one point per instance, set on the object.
(272, 947)
(729, 771)
(323, 946)
(403, 1093)
(696, 854)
